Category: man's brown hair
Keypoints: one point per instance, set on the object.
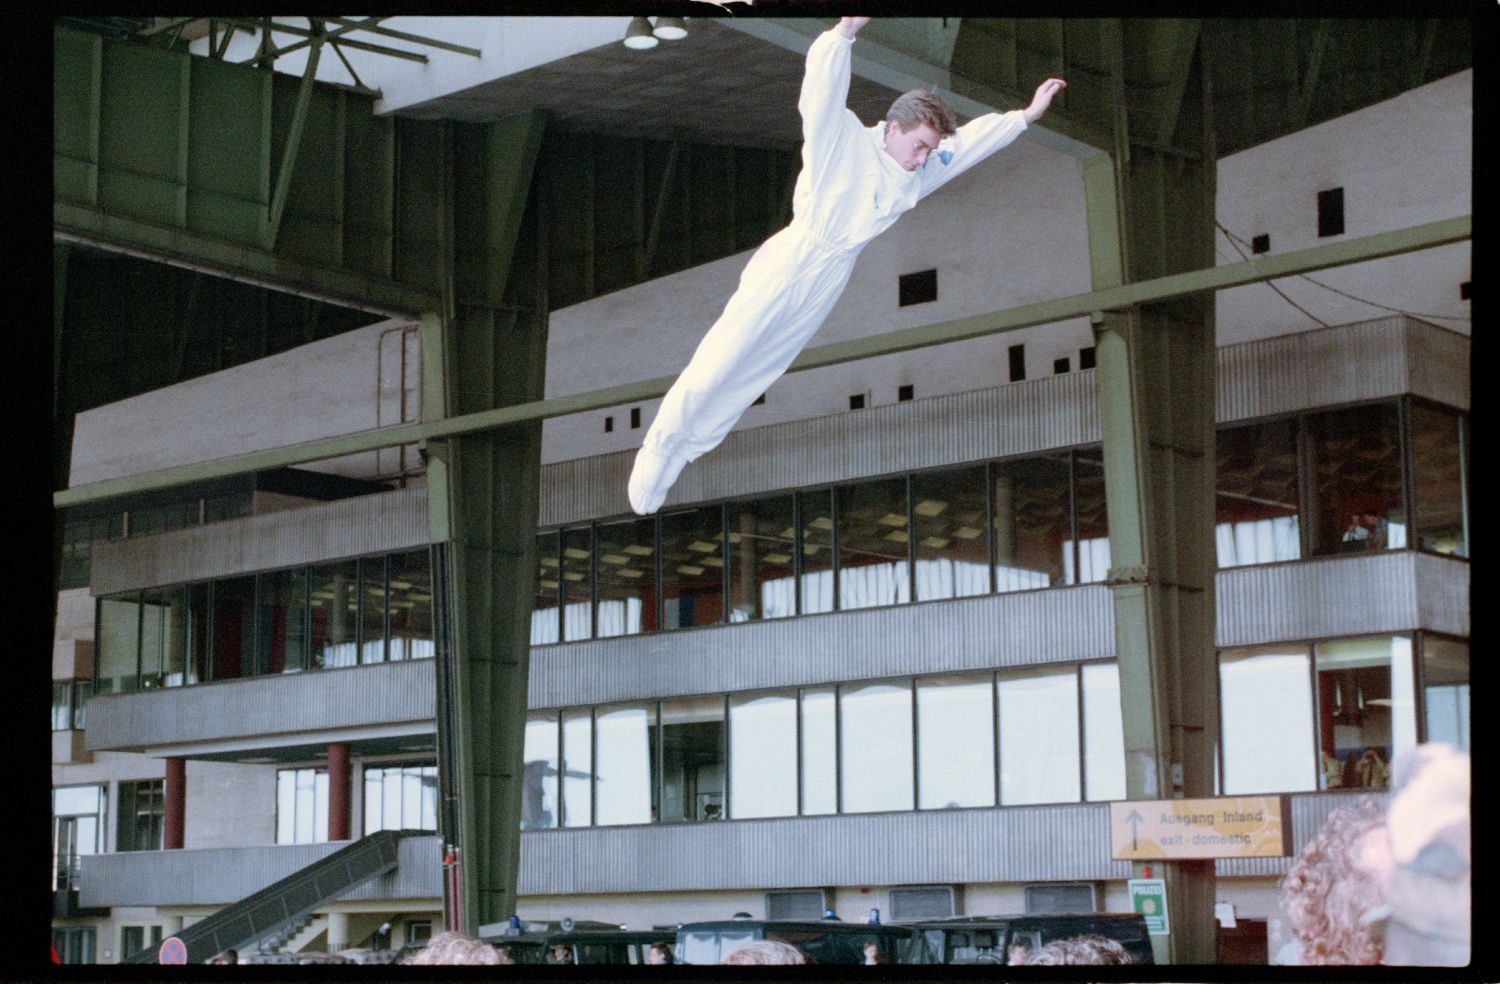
(921, 106)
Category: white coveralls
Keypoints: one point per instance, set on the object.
(849, 191)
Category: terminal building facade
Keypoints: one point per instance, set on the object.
(863, 659)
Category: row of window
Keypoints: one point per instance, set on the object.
(1382, 476)
(366, 610)
(396, 797)
(1294, 717)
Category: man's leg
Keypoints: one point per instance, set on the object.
(784, 295)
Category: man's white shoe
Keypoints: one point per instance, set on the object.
(652, 478)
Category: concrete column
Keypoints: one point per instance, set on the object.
(174, 806)
(338, 792)
(338, 931)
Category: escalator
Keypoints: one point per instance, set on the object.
(287, 902)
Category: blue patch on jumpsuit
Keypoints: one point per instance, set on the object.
(945, 156)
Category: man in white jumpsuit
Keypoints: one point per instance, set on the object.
(855, 182)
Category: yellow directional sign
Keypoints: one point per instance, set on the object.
(1227, 827)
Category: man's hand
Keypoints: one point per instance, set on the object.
(1043, 99)
(849, 26)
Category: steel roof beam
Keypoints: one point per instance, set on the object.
(1260, 269)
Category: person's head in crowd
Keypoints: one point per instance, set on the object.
(1015, 954)
(873, 954)
(229, 956)
(1427, 917)
(456, 949)
(659, 953)
(1086, 949)
(758, 952)
(1336, 881)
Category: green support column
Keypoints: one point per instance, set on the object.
(487, 350)
(1151, 213)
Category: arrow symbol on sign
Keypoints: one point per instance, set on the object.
(1134, 819)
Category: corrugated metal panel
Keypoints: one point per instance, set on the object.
(1363, 361)
(219, 876)
(1341, 596)
(1006, 844)
(265, 707)
(369, 524)
(1443, 594)
(933, 637)
(1440, 366)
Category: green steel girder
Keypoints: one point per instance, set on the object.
(488, 349)
(1270, 267)
(1156, 378)
(144, 162)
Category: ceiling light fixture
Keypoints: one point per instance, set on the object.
(670, 28)
(638, 35)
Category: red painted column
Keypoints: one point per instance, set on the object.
(174, 805)
(338, 792)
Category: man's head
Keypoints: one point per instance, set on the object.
(1089, 948)
(914, 125)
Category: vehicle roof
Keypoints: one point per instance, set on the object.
(969, 922)
(802, 924)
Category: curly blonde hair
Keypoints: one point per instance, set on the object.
(1333, 884)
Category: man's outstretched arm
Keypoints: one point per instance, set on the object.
(1043, 99)
(849, 26)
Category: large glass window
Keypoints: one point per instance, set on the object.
(1093, 521)
(622, 765)
(400, 797)
(301, 806)
(118, 649)
(1440, 499)
(692, 759)
(762, 549)
(77, 830)
(818, 710)
(1103, 733)
(1256, 503)
(283, 621)
(577, 583)
(692, 567)
(1355, 460)
(75, 944)
(539, 772)
(334, 612)
(372, 584)
(79, 536)
(234, 628)
(872, 544)
(955, 741)
(815, 511)
(1266, 738)
(1039, 753)
(1445, 689)
(166, 631)
(1032, 522)
(68, 698)
(763, 755)
(141, 813)
(577, 767)
(875, 747)
(411, 605)
(948, 519)
(1366, 709)
(627, 577)
(546, 617)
